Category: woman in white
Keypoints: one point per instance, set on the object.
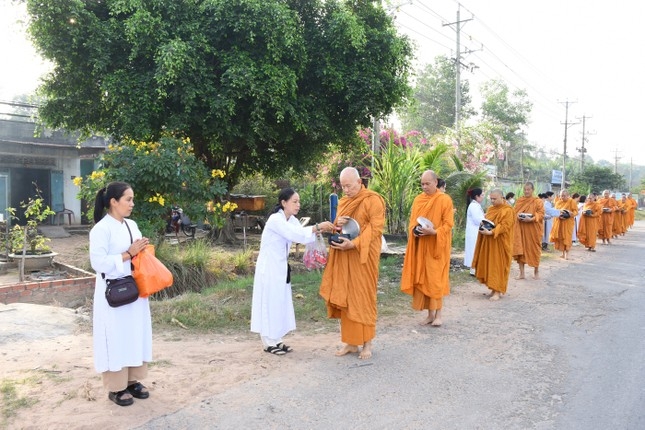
(272, 314)
(474, 217)
(122, 335)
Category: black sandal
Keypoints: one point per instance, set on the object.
(116, 397)
(136, 390)
(284, 347)
(275, 350)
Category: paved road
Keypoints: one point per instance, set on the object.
(566, 352)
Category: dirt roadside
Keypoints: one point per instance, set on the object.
(47, 355)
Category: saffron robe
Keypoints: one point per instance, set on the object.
(620, 226)
(474, 217)
(633, 205)
(605, 227)
(527, 237)
(426, 266)
(588, 227)
(350, 279)
(562, 232)
(493, 254)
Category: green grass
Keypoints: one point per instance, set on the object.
(639, 215)
(226, 306)
(11, 399)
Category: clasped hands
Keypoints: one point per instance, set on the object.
(138, 246)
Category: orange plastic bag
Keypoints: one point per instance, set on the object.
(149, 273)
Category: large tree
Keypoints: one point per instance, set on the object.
(256, 84)
(509, 111)
(432, 108)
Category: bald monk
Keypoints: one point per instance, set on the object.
(349, 281)
(426, 267)
(621, 215)
(527, 236)
(494, 248)
(633, 205)
(605, 226)
(562, 232)
(588, 227)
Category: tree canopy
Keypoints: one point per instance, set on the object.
(255, 84)
(508, 111)
(433, 106)
(596, 179)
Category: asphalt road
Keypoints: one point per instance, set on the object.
(566, 352)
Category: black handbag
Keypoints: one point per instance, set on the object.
(122, 291)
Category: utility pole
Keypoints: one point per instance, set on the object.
(567, 124)
(458, 24)
(616, 158)
(582, 149)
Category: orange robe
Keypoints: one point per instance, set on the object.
(426, 267)
(633, 205)
(588, 228)
(619, 218)
(605, 226)
(350, 278)
(527, 236)
(493, 254)
(562, 232)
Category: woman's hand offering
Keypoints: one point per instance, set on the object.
(326, 227)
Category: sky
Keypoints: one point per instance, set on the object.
(586, 52)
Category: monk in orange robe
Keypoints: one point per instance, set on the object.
(588, 228)
(605, 226)
(426, 267)
(528, 231)
(621, 215)
(633, 205)
(494, 248)
(350, 278)
(562, 232)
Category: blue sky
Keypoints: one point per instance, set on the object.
(588, 52)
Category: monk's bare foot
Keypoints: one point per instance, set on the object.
(494, 297)
(437, 319)
(347, 349)
(366, 352)
(536, 274)
(520, 276)
(429, 318)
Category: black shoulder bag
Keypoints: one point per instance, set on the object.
(121, 291)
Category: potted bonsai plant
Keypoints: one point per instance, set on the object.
(29, 247)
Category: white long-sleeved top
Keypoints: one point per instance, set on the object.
(474, 217)
(123, 335)
(272, 313)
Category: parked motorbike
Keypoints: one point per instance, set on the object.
(179, 221)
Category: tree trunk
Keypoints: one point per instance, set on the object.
(226, 234)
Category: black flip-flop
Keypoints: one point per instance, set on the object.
(136, 390)
(116, 397)
(284, 347)
(275, 350)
